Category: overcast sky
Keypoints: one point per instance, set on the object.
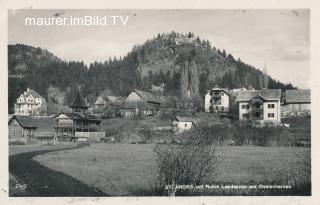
(280, 39)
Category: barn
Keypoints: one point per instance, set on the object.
(140, 102)
(22, 129)
(296, 103)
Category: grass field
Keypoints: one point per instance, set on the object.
(18, 149)
(122, 169)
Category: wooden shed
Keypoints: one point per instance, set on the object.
(22, 129)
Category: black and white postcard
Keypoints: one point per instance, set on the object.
(159, 103)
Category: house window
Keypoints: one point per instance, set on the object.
(270, 105)
(185, 124)
(270, 114)
(245, 106)
(222, 108)
(222, 94)
(245, 115)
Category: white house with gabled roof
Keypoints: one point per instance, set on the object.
(30, 103)
(217, 100)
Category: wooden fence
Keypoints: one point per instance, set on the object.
(90, 135)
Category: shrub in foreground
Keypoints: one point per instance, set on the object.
(193, 162)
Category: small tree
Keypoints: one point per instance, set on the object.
(192, 162)
(93, 128)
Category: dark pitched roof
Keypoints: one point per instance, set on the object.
(79, 101)
(266, 94)
(149, 97)
(29, 92)
(34, 94)
(298, 96)
(24, 121)
(222, 89)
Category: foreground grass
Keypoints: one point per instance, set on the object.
(125, 169)
(18, 149)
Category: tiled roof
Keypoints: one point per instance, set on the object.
(223, 89)
(267, 94)
(149, 97)
(298, 96)
(34, 94)
(25, 121)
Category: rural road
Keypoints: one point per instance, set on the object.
(43, 181)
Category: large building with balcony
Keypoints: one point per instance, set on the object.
(217, 100)
(260, 108)
(67, 124)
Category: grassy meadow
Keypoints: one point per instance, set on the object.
(131, 169)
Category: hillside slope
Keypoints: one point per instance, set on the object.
(182, 62)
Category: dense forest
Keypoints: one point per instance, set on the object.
(182, 62)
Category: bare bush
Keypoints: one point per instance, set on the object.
(192, 162)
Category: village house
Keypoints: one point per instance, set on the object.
(217, 100)
(259, 108)
(21, 129)
(30, 103)
(141, 103)
(100, 103)
(184, 123)
(108, 106)
(67, 124)
(296, 103)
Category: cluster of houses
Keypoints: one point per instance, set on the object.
(257, 108)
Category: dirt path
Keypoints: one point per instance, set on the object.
(43, 181)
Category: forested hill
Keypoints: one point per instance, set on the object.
(183, 62)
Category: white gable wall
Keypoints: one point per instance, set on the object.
(134, 97)
(182, 125)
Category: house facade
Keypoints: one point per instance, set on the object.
(296, 103)
(217, 100)
(30, 103)
(140, 102)
(21, 129)
(259, 108)
(182, 123)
